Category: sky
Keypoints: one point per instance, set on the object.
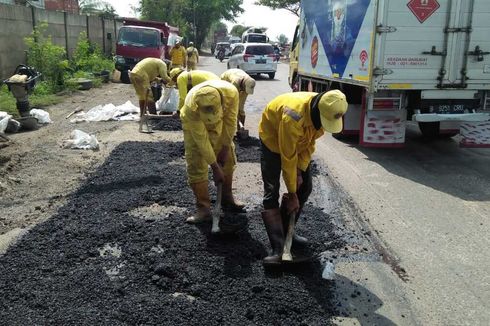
(277, 21)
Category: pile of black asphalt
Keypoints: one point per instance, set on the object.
(95, 263)
(166, 124)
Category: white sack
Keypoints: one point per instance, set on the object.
(126, 111)
(81, 140)
(169, 100)
(41, 116)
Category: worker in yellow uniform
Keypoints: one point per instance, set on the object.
(145, 72)
(289, 126)
(178, 56)
(209, 122)
(185, 80)
(245, 86)
(192, 57)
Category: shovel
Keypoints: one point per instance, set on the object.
(144, 119)
(73, 112)
(217, 210)
(242, 133)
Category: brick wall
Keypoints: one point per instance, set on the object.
(70, 6)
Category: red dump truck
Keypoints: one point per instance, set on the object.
(139, 39)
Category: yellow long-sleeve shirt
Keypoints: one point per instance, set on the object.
(235, 76)
(194, 56)
(178, 56)
(221, 133)
(151, 68)
(196, 77)
(286, 128)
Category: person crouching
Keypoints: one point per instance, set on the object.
(209, 116)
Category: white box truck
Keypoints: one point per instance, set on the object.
(396, 60)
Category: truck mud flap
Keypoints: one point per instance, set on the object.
(384, 124)
(475, 134)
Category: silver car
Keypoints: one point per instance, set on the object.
(254, 59)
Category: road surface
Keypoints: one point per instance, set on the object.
(101, 237)
(427, 209)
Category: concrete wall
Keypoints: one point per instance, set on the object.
(76, 24)
(17, 22)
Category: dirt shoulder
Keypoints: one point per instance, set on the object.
(36, 173)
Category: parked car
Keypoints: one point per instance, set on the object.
(254, 59)
(224, 45)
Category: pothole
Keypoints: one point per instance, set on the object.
(157, 212)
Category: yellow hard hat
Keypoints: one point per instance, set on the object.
(208, 102)
(332, 106)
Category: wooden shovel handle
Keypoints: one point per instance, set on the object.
(217, 209)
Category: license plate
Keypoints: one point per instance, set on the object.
(260, 61)
(448, 106)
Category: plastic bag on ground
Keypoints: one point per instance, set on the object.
(127, 112)
(169, 100)
(81, 140)
(41, 116)
(4, 121)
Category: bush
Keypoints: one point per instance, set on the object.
(46, 57)
(89, 58)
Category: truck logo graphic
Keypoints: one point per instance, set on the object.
(314, 52)
(337, 23)
(363, 57)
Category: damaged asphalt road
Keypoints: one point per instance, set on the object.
(119, 253)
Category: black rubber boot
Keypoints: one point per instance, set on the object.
(152, 107)
(297, 239)
(273, 225)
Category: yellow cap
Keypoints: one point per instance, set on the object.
(249, 85)
(332, 106)
(208, 102)
(174, 73)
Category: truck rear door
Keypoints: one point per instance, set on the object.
(478, 50)
(433, 44)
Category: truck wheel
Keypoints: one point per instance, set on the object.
(125, 77)
(272, 75)
(429, 129)
(295, 84)
(433, 130)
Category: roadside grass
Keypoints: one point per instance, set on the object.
(41, 100)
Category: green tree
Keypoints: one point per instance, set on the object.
(282, 39)
(290, 5)
(97, 7)
(193, 17)
(237, 30)
(218, 28)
